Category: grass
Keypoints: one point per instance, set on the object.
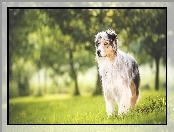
(63, 109)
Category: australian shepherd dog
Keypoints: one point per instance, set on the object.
(119, 73)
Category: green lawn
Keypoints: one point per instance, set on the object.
(56, 109)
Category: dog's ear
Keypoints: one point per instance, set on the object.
(111, 34)
(113, 39)
(97, 37)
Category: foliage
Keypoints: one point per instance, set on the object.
(22, 76)
(150, 33)
(61, 40)
(19, 49)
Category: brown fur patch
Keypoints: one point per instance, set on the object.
(134, 96)
(108, 50)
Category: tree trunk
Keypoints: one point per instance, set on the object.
(98, 89)
(45, 78)
(23, 85)
(73, 73)
(10, 69)
(157, 74)
(76, 86)
(39, 85)
(39, 92)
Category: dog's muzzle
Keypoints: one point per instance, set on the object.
(99, 53)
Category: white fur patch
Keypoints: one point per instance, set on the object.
(116, 81)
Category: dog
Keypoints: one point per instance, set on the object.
(119, 73)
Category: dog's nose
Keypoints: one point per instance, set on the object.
(98, 52)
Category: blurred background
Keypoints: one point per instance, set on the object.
(52, 51)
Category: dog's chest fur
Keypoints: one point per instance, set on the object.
(114, 74)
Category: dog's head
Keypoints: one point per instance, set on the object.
(106, 44)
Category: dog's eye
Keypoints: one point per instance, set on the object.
(105, 43)
(97, 44)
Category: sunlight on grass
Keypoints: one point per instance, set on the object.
(64, 109)
(47, 97)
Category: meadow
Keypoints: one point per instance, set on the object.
(66, 109)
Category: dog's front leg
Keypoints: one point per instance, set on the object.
(125, 102)
(109, 106)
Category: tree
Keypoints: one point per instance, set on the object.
(19, 49)
(143, 31)
(148, 26)
(26, 40)
(71, 25)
